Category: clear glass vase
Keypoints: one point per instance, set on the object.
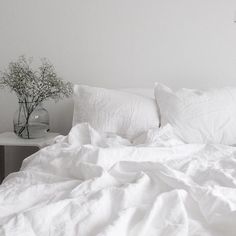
(31, 121)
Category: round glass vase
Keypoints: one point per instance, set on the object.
(31, 121)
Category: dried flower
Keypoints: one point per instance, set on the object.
(33, 87)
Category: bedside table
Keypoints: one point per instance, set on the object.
(10, 139)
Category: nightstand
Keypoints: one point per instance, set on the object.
(10, 139)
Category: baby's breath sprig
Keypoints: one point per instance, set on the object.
(32, 87)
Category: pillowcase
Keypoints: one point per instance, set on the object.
(113, 111)
(199, 116)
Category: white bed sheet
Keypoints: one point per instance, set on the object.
(85, 184)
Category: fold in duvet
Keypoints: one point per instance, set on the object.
(86, 184)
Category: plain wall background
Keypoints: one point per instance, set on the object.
(119, 43)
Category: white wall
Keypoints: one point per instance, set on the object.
(120, 43)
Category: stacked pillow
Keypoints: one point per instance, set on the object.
(199, 116)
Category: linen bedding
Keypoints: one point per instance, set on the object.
(86, 184)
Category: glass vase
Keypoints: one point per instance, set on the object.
(31, 121)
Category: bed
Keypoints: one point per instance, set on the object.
(154, 182)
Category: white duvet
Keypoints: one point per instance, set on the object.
(88, 185)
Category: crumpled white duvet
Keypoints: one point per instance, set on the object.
(86, 185)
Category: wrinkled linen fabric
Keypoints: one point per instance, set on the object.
(86, 184)
(125, 113)
(199, 116)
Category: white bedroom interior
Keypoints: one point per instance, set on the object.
(123, 43)
(117, 44)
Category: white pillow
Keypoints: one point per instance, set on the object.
(113, 111)
(199, 116)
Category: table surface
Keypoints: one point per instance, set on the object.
(11, 139)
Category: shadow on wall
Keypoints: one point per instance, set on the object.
(61, 115)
